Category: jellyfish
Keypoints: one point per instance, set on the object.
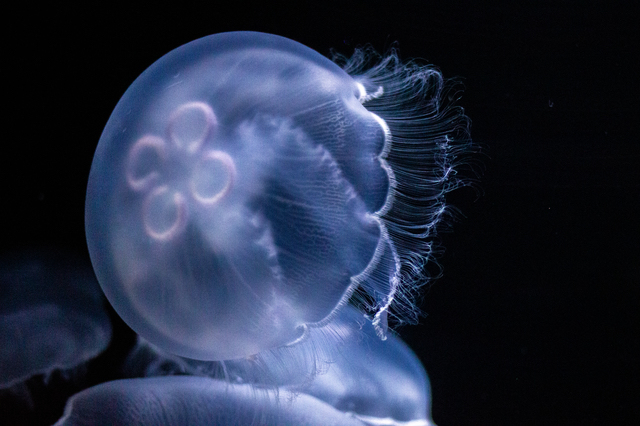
(53, 324)
(253, 207)
(371, 379)
(162, 401)
(51, 315)
(371, 382)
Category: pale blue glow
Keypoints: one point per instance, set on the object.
(51, 315)
(162, 401)
(257, 208)
(352, 370)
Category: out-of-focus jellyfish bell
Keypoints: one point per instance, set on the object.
(51, 315)
(235, 197)
(371, 378)
(366, 380)
(188, 400)
(377, 381)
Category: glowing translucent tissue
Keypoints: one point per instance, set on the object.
(246, 190)
(51, 315)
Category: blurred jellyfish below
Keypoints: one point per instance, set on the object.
(260, 216)
(358, 373)
(369, 381)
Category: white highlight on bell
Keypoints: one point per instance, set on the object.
(363, 96)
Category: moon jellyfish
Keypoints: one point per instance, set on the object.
(262, 213)
(377, 381)
(162, 401)
(373, 378)
(51, 315)
(241, 191)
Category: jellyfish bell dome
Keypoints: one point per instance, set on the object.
(235, 194)
(180, 400)
(255, 213)
(52, 314)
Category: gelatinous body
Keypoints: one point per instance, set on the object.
(188, 400)
(234, 194)
(372, 378)
(260, 211)
(51, 315)
(377, 381)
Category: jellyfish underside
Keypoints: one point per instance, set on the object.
(246, 192)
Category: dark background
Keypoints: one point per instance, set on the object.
(535, 320)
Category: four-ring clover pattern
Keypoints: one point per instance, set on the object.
(170, 175)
